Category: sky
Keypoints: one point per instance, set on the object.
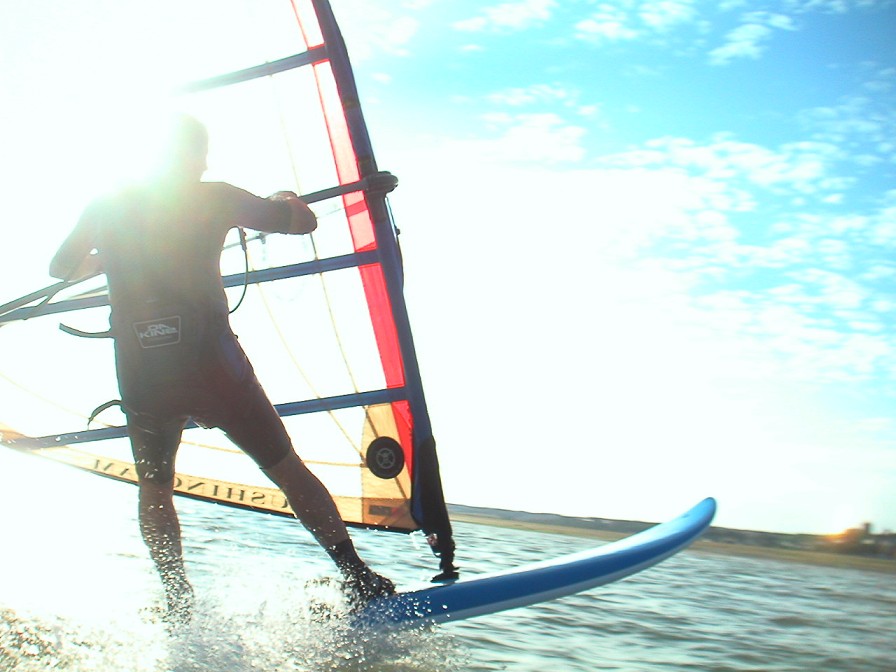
(650, 246)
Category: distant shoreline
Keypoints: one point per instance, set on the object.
(837, 560)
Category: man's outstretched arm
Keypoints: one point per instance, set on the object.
(302, 218)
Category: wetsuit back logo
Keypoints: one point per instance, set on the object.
(158, 332)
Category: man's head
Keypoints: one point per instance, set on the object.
(184, 150)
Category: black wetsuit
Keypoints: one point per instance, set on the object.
(176, 356)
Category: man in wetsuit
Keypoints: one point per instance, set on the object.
(159, 244)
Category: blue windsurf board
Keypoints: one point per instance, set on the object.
(541, 581)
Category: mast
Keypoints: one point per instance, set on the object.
(428, 504)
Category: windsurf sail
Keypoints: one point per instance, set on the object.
(324, 320)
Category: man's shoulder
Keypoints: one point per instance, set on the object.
(114, 200)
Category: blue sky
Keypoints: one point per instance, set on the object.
(676, 223)
(649, 245)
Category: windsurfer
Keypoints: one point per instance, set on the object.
(159, 245)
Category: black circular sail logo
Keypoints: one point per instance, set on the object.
(385, 457)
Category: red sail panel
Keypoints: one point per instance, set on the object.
(383, 326)
(405, 425)
(390, 354)
(361, 226)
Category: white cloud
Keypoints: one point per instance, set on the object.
(812, 314)
(786, 332)
(882, 81)
(881, 271)
(383, 29)
(472, 25)
(663, 14)
(830, 6)
(748, 40)
(588, 110)
(530, 138)
(546, 96)
(833, 289)
(742, 42)
(864, 124)
(533, 94)
(510, 15)
(806, 167)
(692, 236)
(883, 232)
(614, 22)
(608, 23)
(779, 21)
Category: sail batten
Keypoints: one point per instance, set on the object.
(313, 267)
(284, 410)
(309, 57)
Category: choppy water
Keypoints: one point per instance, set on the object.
(77, 591)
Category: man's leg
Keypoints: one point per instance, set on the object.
(315, 508)
(309, 499)
(160, 528)
(249, 419)
(154, 444)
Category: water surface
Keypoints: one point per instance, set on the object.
(77, 592)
